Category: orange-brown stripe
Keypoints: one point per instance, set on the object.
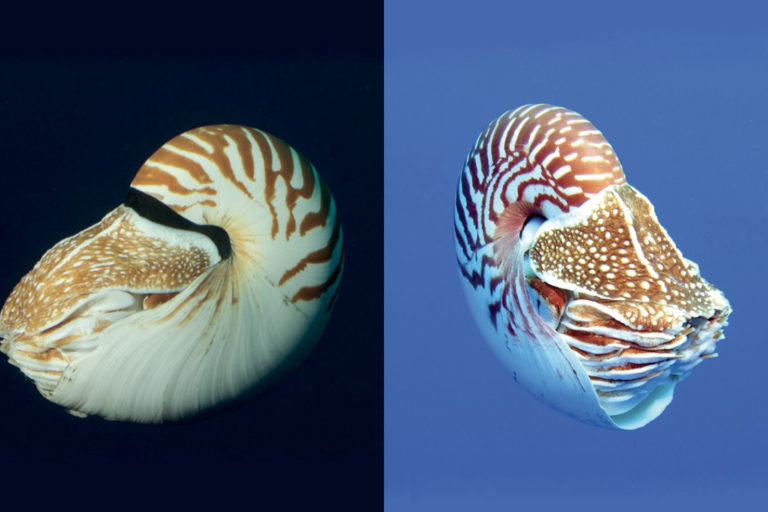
(167, 157)
(318, 256)
(220, 158)
(317, 219)
(308, 293)
(269, 178)
(153, 176)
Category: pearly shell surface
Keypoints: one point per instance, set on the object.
(571, 278)
(217, 274)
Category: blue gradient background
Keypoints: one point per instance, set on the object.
(680, 92)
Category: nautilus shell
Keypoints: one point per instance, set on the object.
(576, 286)
(218, 273)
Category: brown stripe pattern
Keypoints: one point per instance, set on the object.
(139, 320)
(557, 252)
(203, 168)
(548, 158)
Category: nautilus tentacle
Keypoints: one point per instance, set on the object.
(576, 286)
(219, 271)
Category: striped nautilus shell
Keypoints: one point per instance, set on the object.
(576, 286)
(217, 274)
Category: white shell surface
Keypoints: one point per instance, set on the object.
(150, 322)
(577, 287)
(547, 367)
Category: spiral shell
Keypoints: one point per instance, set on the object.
(575, 284)
(219, 272)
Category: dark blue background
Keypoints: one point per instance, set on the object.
(679, 89)
(79, 116)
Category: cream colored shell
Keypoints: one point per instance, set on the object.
(132, 319)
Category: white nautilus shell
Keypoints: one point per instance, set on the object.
(218, 273)
(576, 286)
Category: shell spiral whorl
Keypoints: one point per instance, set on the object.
(219, 272)
(574, 283)
(545, 156)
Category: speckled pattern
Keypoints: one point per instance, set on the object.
(136, 320)
(594, 271)
(112, 254)
(619, 251)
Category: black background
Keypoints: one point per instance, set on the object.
(81, 111)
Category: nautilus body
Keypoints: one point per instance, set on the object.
(217, 274)
(576, 286)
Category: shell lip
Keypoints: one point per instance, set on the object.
(154, 210)
(645, 372)
(632, 363)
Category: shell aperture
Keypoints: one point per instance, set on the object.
(575, 284)
(217, 274)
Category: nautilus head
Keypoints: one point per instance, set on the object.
(576, 286)
(217, 274)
